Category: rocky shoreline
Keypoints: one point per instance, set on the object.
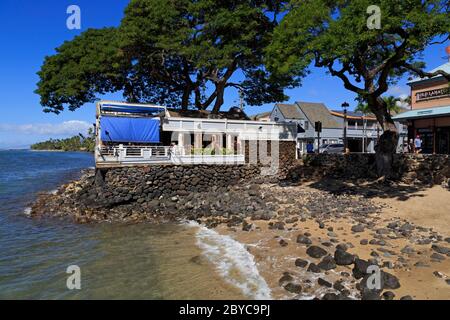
(336, 234)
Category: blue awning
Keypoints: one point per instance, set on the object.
(131, 108)
(137, 130)
(424, 113)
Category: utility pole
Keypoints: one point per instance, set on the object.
(345, 105)
(318, 128)
(241, 100)
(364, 134)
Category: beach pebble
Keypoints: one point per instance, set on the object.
(437, 257)
(313, 268)
(285, 278)
(389, 281)
(324, 283)
(438, 274)
(388, 295)
(316, 252)
(358, 228)
(343, 258)
(327, 263)
(301, 263)
(421, 264)
(293, 288)
(440, 249)
(407, 250)
(304, 240)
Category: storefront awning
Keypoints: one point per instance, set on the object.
(136, 130)
(424, 113)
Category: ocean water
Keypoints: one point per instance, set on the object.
(116, 261)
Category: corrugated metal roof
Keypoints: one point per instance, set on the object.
(424, 113)
(353, 114)
(445, 67)
(290, 111)
(318, 112)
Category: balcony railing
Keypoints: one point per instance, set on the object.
(143, 155)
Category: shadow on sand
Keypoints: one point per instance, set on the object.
(369, 189)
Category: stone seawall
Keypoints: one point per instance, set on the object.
(408, 168)
(141, 184)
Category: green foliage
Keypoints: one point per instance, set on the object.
(391, 103)
(88, 65)
(170, 52)
(333, 34)
(211, 151)
(76, 143)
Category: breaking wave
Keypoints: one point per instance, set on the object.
(27, 211)
(233, 262)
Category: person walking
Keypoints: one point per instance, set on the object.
(310, 147)
(418, 144)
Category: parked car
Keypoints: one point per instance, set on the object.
(332, 148)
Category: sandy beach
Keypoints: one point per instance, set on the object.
(429, 208)
(421, 277)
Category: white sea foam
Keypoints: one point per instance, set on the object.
(53, 192)
(27, 211)
(233, 262)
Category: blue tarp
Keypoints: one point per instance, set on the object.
(137, 130)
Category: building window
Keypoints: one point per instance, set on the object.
(306, 125)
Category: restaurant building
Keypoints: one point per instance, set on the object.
(129, 134)
(429, 116)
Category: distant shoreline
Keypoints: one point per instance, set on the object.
(84, 151)
(48, 150)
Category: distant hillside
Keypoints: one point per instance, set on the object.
(76, 143)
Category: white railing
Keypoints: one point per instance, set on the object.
(117, 155)
(135, 155)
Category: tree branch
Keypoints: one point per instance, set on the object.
(424, 74)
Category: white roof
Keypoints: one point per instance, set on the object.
(445, 67)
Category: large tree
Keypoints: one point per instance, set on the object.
(335, 35)
(182, 53)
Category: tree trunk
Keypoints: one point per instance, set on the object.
(185, 98)
(387, 143)
(220, 89)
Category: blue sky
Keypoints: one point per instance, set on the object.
(30, 30)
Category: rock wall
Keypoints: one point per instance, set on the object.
(286, 154)
(409, 168)
(145, 183)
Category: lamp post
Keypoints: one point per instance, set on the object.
(345, 105)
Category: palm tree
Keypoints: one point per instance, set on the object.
(391, 102)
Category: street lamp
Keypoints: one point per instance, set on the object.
(345, 105)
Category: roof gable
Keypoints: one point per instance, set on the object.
(290, 111)
(318, 112)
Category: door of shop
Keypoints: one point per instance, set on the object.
(443, 140)
(426, 135)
